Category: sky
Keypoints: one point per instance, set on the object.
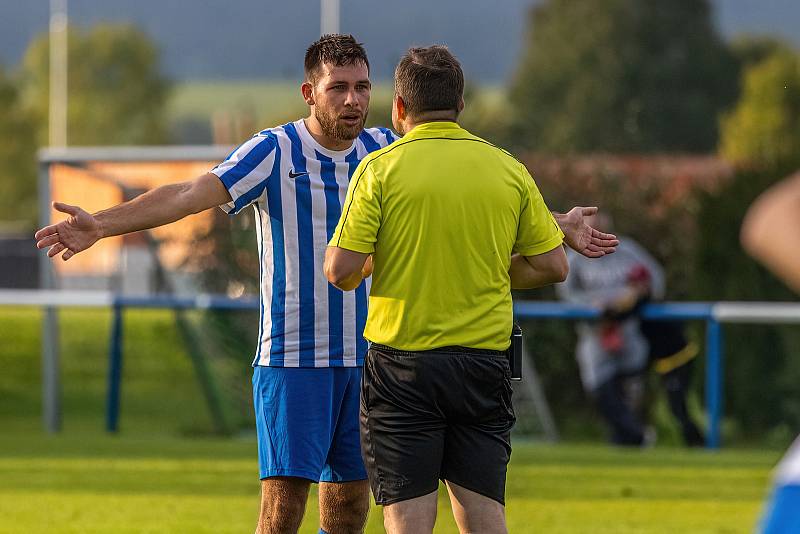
(254, 39)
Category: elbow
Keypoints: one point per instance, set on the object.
(338, 278)
(561, 272)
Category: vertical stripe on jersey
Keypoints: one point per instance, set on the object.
(261, 298)
(335, 296)
(369, 143)
(278, 301)
(352, 160)
(305, 238)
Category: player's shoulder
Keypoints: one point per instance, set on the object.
(377, 137)
(274, 133)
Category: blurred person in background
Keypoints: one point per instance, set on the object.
(771, 234)
(612, 353)
(671, 354)
(310, 349)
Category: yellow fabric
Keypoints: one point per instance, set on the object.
(682, 357)
(443, 210)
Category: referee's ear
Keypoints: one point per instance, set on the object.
(400, 107)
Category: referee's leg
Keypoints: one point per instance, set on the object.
(474, 512)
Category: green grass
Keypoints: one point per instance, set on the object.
(164, 474)
(144, 483)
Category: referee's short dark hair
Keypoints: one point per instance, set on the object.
(429, 79)
(336, 49)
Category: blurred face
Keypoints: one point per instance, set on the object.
(340, 99)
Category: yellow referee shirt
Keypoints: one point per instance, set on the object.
(442, 211)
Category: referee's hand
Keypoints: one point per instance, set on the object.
(581, 237)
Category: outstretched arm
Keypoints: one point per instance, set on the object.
(157, 207)
(581, 237)
(771, 231)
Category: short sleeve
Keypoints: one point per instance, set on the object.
(245, 172)
(538, 231)
(361, 213)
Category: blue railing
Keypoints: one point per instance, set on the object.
(699, 311)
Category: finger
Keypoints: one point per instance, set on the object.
(48, 241)
(55, 249)
(602, 235)
(67, 255)
(586, 211)
(66, 208)
(47, 230)
(598, 248)
(604, 242)
(592, 253)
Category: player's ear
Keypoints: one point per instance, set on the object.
(308, 92)
(460, 104)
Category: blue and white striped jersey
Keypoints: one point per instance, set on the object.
(298, 187)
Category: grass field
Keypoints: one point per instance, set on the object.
(143, 483)
(164, 474)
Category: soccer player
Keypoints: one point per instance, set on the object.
(771, 234)
(310, 349)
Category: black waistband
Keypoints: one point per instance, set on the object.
(455, 349)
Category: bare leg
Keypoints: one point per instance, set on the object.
(414, 516)
(476, 514)
(283, 502)
(343, 507)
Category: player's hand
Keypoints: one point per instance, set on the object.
(72, 235)
(581, 237)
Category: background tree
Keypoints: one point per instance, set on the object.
(764, 128)
(621, 75)
(117, 93)
(18, 154)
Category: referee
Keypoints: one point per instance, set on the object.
(452, 223)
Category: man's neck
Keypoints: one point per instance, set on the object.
(410, 123)
(315, 129)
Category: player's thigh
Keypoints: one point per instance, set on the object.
(344, 462)
(293, 420)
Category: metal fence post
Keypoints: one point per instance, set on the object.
(713, 381)
(114, 370)
(51, 370)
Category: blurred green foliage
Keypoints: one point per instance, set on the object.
(17, 156)
(621, 76)
(764, 128)
(116, 91)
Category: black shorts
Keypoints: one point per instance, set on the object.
(441, 414)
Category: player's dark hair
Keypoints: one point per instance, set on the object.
(336, 49)
(429, 79)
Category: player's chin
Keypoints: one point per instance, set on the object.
(349, 130)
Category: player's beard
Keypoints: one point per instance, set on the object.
(335, 128)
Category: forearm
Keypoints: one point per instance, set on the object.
(154, 208)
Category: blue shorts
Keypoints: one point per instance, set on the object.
(307, 423)
(783, 511)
